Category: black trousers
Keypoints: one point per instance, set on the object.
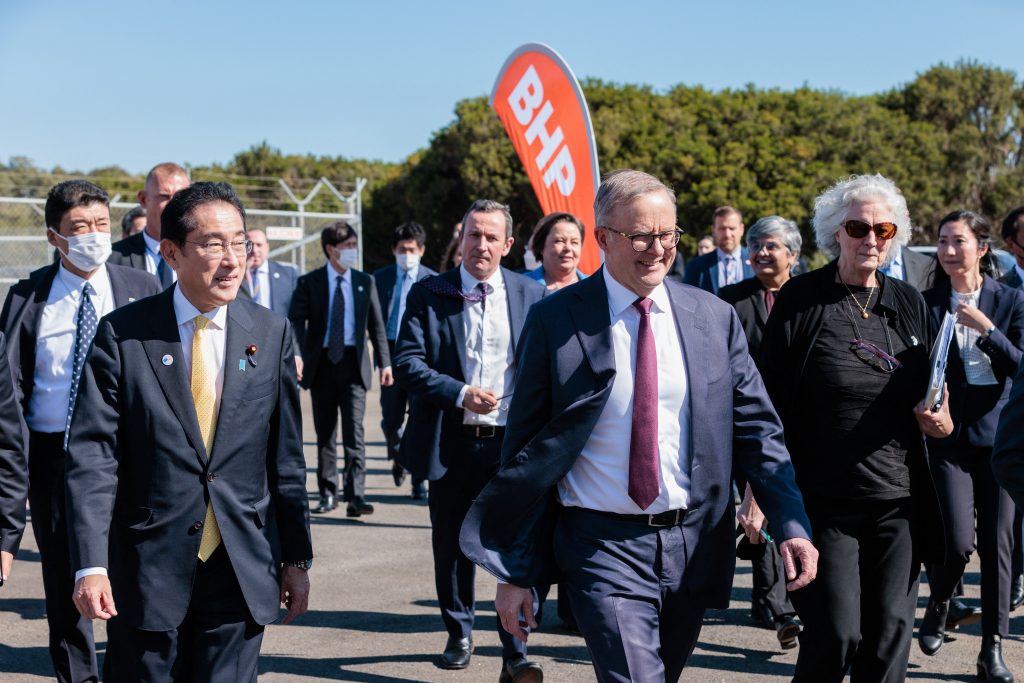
(859, 613)
(393, 403)
(72, 648)
(218, 641)
(769, 580)
(339, 387)
(471, 465)
(966, 486)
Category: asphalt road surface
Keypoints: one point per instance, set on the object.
(373, 615)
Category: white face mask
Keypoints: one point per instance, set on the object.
(348, 258)
(530, 261)
(407, 261)
(86, 252)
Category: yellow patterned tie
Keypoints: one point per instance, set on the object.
(204, 395)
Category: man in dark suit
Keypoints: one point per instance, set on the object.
(393, 284)
(49, 319)
(185, 479)
(455, 358)
(268, 283)
(635, 398)
(13, 468)
(336, 315)
(729, 263)
(912, 267)
(142, 250)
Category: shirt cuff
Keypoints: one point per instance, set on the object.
(462, 396)
(89, 571)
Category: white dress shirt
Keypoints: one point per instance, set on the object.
(55, 346)
(153, 257)
(723, 269)
(490, 360)
(599, 479)
(263, 280)
(411, 276)
(350, 306)
(214, 340)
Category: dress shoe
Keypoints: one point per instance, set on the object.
(1017, 592)
(787, 629)
(398, 474)
(961, 615)
(456, 653)
(932, 633)
(419, 491)
(991, 666)
(761, 615)
(327, 503)
(521, 670)
(358, 508)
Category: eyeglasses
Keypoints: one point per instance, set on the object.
(642, 241)
(874, 356)
(859, 229)
(755, 246)
(214, 249)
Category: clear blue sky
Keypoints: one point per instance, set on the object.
(91, 84)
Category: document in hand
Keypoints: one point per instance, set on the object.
(935, 396)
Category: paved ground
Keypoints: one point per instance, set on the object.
(374, 618)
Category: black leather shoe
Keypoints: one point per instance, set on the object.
(419, 491)
(991, 666)
(1017, 592)
(787, 629)
(457, 652)
(398, 474)
(961, 615)
(358, 508)
(327, 503)
(761, 615)
(932, 634)
(521, 670)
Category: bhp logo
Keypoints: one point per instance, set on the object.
(533, 112)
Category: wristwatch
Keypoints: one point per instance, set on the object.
(301, 564)
(988, 333)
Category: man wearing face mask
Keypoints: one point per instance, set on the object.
(49, 319)
(335, 312)
(393, 284)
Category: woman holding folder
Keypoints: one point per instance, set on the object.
(983, 357)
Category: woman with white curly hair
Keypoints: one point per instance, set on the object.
(845, 360)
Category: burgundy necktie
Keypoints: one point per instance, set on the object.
(643, 440)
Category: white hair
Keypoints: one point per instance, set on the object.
(621, 187)
(832, 205)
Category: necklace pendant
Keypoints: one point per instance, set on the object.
(864, 314)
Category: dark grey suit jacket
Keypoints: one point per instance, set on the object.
(702, 271)
(564, 376)
(13, 459)
(430, 361)
(282, 286)
(139, 477)
(131, 252)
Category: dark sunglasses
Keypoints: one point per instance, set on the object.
(874, 356)
(859, 229)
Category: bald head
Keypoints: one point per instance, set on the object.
(162, 182)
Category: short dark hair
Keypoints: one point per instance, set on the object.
(69, 194)
(126, 220)
(1009, 230)
(982, 230)
(409, 231)
(336, 233)
(178, 217)
(543, 229)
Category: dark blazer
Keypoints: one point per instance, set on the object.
(13, 459)
(703, 271)
(563, 379)
(131, 252)
(1008, 449)
(748, 300)
(309, 316)
(976, 415)
(1012, 279)
(918, 269)
(282, 286)
(430, 358)
(385, 279)
(23, 311)
(139, 477)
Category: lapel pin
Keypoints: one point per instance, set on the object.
(167, 359)
(250, 353)
(131, 299)
(277, 275)
(360, 288)
(241, 364)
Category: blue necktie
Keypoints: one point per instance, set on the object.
(396, 303)
(164, 273)
(85, 330)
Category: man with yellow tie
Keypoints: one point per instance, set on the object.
(184, 451)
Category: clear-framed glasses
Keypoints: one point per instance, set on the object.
(874, 356)
(214, 249)
(642, 241)
(770, 246)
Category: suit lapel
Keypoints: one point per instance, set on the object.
(452, 309)
(987, 302)
(119, 288)
(361, 302)
(592, 321)
(516, 306)
(238, 372)
(760, 310)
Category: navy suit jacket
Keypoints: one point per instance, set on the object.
(703, 271)
(139, 477)
(385, 279)
(564, 375)
(282, 286)
(975, 420)
(430, 361)
(23, 311)
(13, 459)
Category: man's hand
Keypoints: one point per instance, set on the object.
(93, 597)
(298, 368)
(294, 592)
(511, 603)
(937, 424)
(386, 377)
(750, 517)
(479, 401)
(802, 551)
(6, 561)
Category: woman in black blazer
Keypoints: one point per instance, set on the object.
(986, 350)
